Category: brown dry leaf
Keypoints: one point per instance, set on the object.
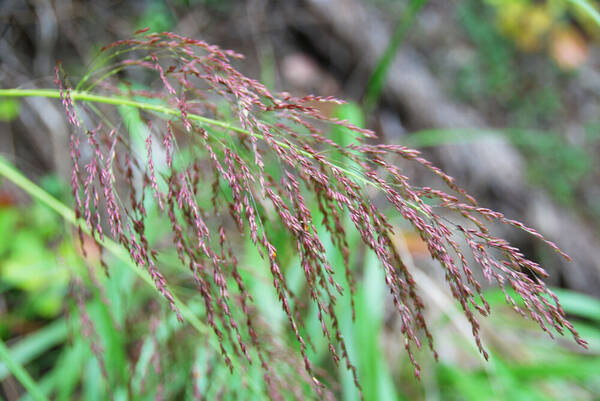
(415, 245)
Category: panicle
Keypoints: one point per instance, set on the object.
(276, 163)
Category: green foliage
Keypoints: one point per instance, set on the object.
(32, 260)
(20, 373)
(588, 9)
(131, 344)
(156, 16)
(534, 370)
(36, 344)
(553, 163)
(492, 71)
(494, 80)
(9, 109)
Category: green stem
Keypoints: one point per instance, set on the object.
(21, 374)
(118, 101)
(122, 101)
(379, 75)
(588, 8)
(11, 173)
(36, 343)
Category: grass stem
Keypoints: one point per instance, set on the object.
(122, 101)
(11, 173)
(21, 374)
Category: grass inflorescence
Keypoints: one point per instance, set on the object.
(187, 162)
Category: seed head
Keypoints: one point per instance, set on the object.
(274, 166)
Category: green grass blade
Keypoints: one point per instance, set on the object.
(21, 374)
(377, 79)
(579, 304)
(437, 137)
(35, 344)
(588, 9)
(11, 173)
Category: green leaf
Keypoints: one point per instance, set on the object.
(352, 113)
(21, 374)
(9, 218)
(588, 9)
(157, 16)
(36, 344)
(579, 304)
(459, 384)
(438, 137)
(68, 370)
(113, 341)
(92, 381)
(378, 78)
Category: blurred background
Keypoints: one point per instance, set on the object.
(502, 94)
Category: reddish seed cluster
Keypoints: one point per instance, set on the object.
(276, 166)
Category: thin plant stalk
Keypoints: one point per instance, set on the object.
(379, 75)
(588, 9)
(11, 173)
(122, 101)
(20, 373)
